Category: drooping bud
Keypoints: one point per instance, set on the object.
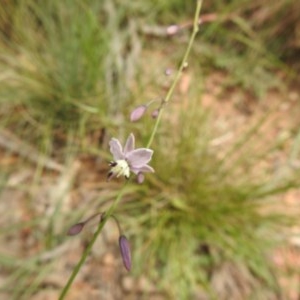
(138, 112)
(125, 252)
(140, 178)
(75, 229)
(155, 113)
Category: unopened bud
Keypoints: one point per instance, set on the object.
(75, 229)
(140, 178)
(185, 65)
(173, 29)
(168, 71)
(125, 252)
(155, 113)
(137, 113)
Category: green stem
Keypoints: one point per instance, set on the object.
(179, 71)
(117, 200)
(91, 243)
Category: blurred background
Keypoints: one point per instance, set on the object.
(219, 218)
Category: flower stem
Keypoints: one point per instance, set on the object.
(91, 243)
(110, 211)
(179, 71)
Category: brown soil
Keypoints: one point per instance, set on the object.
(27, 196)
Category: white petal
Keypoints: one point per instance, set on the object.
(116, 149)
(129, 146)
(139, 157)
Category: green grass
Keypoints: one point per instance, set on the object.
(74, 63)
(79, 66)
(53, 69)
(193, 202)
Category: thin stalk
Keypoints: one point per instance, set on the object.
(91, 243)
(179, 71)
(170, 92)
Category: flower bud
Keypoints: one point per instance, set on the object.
(173, 29)
(75, 229)
(140, 178)
(125, 252)
(155, 113)
(168, 71)
(185, 65)
(137, 113)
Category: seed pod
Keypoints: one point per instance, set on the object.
(137, 113)
(125, 252)
(75, 229)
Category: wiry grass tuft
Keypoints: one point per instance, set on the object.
(196, 214)
(68, 69)
(53, 65)
(74, 63)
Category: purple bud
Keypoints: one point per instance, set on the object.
(137, 113)
(168, 71)
(155, 113)
(140, 178)
(75, 229)
(125, 252)
(173, 29)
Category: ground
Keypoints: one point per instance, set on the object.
(31, 192)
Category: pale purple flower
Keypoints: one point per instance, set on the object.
(128, 159)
